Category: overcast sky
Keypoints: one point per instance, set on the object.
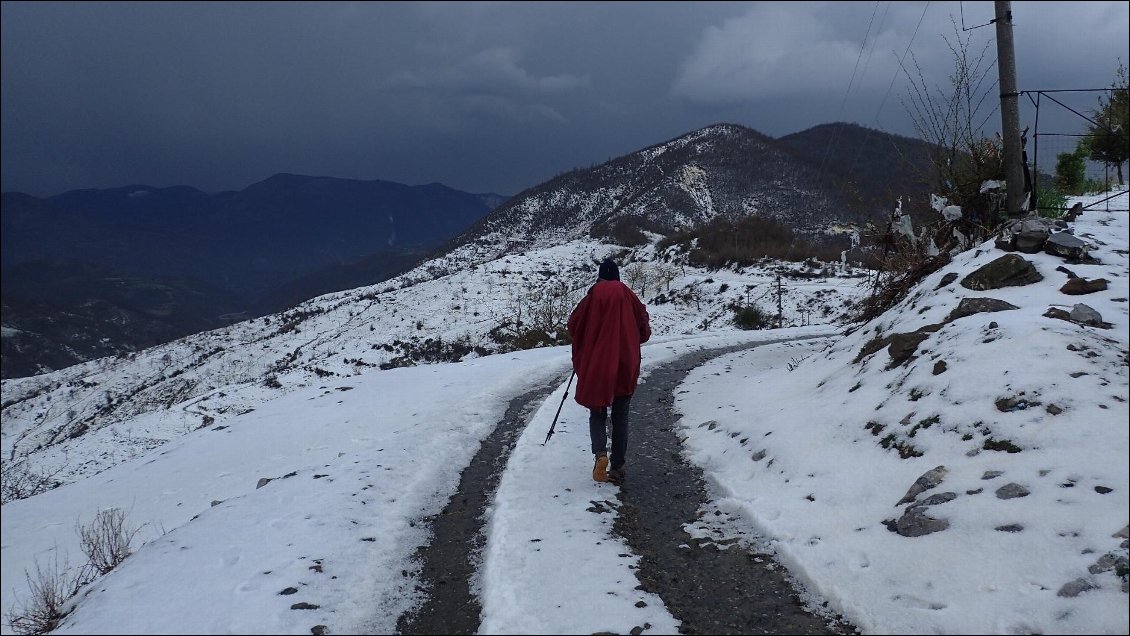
(482, 97)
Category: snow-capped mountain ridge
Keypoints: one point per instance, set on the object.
(721, 170)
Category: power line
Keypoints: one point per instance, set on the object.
(882, 103)
(901, 60)
(961, 8)
(843, 102)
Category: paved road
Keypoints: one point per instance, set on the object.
(710, 590)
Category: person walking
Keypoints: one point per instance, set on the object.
(608, 326)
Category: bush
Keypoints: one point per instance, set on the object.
(751, 317)
(1071, 170)
(19, 481)
(48, 592)
(1050, 202)
(747, 241)
(105, 541)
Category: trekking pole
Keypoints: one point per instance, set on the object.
(552, 426)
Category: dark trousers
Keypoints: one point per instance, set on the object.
(598, 429)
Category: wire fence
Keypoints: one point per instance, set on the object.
(1067, 120)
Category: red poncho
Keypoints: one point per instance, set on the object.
(607, 327)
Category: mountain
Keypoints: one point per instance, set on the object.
(875, 167)
(215, 256)
(722, 170)
(246, 241)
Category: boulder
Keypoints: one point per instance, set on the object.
(1031, 236)
(1010, 270)
(903, 345)
(970, 306)
(1080, 286)
(1086, 315)
(1066, 245)
(916, 523)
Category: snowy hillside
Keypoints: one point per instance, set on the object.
(933, 471)
(78, 421)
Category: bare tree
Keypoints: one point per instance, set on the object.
(952, 120)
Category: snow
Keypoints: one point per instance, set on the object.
(357, 462)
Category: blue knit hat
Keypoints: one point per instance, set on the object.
(608, 270)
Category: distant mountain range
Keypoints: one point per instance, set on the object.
(89, 273)
(94, 272)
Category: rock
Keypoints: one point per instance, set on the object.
(1005, 242)
(1010, 404)
(1057, 313)
(304, 606)
(939, 498)
(1032, 236)
(946, 280)
(928, 480)
(1080, 286)
(1079, 314)
(318, 630)
(1124, 533)
(287, 591)
(871, 347)
(1052, 409)
(1012, 527)
(970, 306)
(1012, 491)
(1010, 270)
(903, 345)
(1074, 588)
(992, 474)
(1066, 245)
(263, 481)
(1086, 315)
(1108, 563)
(939, 367)
(915, 523)
(1102, 490)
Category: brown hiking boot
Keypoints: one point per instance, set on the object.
(600, 468)
(616, 475)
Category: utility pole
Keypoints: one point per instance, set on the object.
(780, 312)
(1010, 111)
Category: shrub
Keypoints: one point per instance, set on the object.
(1071, 170)
(750, 317)
(105, 540)
(1050, 202)
(19, 481)
(48, 591)
(746, 241)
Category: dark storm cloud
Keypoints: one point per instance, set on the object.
(479, 96)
